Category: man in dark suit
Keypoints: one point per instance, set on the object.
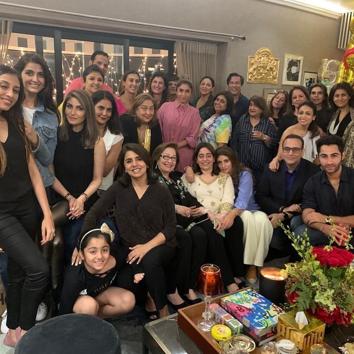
(280, 193)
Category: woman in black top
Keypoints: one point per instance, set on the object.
(341, 98)
(19, 178)
(191, 238)
(205, 101)
(91, 287)
(141, 126)
(78, 163)
(319, 96)
(145, 216)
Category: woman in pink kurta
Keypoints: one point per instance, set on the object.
(180, 124)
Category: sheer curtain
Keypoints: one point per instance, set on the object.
(195, 60)
(5, 33)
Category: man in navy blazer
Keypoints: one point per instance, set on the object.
(279, 193)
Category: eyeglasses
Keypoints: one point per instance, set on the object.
(295, 150)
(169, 158)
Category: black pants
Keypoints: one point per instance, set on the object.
(155, 265)
(27, 270)
(226, 252)
(190, 255)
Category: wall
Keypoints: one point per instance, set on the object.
(280, 28)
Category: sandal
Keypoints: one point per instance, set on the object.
(152, 315)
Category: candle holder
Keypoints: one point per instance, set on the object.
(207, 321)
(209, 281)
(272, 284)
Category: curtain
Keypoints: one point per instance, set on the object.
(195, 60)
(5, 33)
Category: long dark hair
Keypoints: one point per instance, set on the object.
(90, 132)
(237, 166)
(123, 176)
(195, 165)
(285, 106)
(113, 123)
(165, 90)
(325, 102)
(13, 115)
(313, 127)
(46, 95)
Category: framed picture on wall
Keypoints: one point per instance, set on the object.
(309, 79)
(292, 69)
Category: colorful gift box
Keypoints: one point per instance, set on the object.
(254, 311)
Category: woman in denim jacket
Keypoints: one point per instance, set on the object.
(40, 113)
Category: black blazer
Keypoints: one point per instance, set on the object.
(130, 133)
(271, 190)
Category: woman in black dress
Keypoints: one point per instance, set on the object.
(145, 216)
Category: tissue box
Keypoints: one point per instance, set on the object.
(254, 311)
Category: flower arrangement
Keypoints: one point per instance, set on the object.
(322, 282)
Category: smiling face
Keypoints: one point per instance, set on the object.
(234, 85)
(9, 91)
(75, 114)
(93, 82)
(131, 84)
(292, 151)
(157, 85)
(102, 62)
(297, 98)
(103, 111)
(96, 254)
(220, 104)
(184, 93)
(145, 112)
(33, 78)
(167, 161)
(341, 98)
(205, 160)
(224, 164)
(134, 165)
(205, 87)
(305, 116)
(254, 111)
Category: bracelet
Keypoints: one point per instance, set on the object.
(85, 195)
(67, 195)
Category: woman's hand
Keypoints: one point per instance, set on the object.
(184, 211)
(76, 258)
(227, 221)
(274, 165)
(137, 253)
(48, 229)
(31, 135)
(76, 206)
(189, 174)
(198, 211)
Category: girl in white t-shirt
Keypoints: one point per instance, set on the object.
(109, 128)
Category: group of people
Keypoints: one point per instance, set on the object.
(142, 189)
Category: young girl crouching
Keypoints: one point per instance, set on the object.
(92, 286)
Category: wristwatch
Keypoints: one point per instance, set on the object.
(329, 220)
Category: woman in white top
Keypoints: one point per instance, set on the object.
(215, 192)
(307, 129)
(109, 129)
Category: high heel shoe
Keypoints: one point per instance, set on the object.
(179, 306)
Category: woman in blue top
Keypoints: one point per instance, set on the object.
(216, 130)
(257, 229)
(39, 110)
